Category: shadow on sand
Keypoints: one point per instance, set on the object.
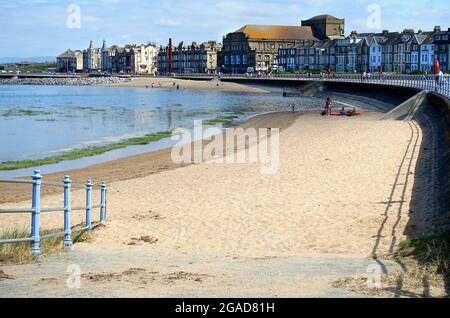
(429, 208)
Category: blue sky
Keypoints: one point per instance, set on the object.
(39, 28)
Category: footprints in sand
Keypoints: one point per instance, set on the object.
(149, 216)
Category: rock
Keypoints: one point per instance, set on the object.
(55, 81)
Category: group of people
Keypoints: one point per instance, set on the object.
(328, 111)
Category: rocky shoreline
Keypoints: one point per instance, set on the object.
(77, 81)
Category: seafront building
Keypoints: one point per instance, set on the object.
(442, 48)
(70, 62)
(265, 48)
(193, 58)
(404, 52)
(91, 59)
(255, 48)
(319, 44)
(130, 59)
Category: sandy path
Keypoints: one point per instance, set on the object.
(330, 196)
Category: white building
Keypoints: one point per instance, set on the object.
(91, 59)
(145, 59)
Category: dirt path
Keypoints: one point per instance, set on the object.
(141, 272)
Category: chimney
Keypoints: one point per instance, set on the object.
(437, 28)
(408, 31)
(354, 33)
(385, 32)
(169, 53)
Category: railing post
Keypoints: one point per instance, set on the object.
(89, 205)
(67, 210)
(103, 203)
(36, 214)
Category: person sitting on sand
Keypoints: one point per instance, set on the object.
(352, 112)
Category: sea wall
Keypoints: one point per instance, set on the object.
(439, 109)
(389, 96)
(60, 81)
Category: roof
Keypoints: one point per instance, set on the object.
(323, 17)
(442, 33)
(67, 54)
(429, 38)
(277, 32)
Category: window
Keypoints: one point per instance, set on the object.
(244, 59)
(445, 38)
(437, 38)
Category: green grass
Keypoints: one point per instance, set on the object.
(431, 251)
(16, 112)
(37, 67)
(20, 253)
(85, 152)
(224, 120)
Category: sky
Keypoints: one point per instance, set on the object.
(31, 28)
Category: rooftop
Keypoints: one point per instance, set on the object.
(277, 32)
(323, 17)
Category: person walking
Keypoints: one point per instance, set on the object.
(328, 106)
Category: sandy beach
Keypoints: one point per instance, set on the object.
(342, 197)
(172, 83)
(329, 196)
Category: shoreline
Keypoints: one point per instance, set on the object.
(172, 83)
(135, 166)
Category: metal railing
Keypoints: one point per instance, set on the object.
(423, 82)
(36, 211)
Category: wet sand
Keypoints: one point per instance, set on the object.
(131, 167)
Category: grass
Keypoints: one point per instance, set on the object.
(433, 251)
(20, 253)
(98, 150)
(427, 275)
(85, 152)
(224, 120)
(24, 112)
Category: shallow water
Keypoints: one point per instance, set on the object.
(37, 121)
(43, 121)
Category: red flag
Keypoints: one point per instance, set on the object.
(437, 67)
